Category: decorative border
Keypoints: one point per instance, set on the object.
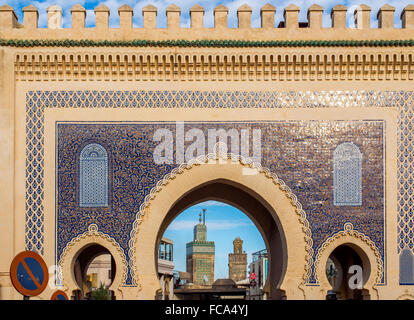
(222, 154)
(206, 43)
(349, 231)
(93, 232)
(37, 101)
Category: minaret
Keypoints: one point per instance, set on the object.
(200, 254)
(237, 261)
(200, 229)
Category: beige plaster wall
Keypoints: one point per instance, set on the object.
(12, 135)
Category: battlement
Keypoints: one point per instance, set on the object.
(290, 28)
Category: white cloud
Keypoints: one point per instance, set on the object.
(212, 203)
(211, 225)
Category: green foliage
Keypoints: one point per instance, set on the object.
(101, 293)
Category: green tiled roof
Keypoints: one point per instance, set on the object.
(207, 43)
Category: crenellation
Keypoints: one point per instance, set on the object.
(315, 13)
(173, 16)
(197, 16)
(291, 16)
(362, 17)
(149, 13)
(8, 18)
(385, 17)
(407, 17)
(125, 17)
(244, 16)
(288, 29)
(78, 17)
(54, 17)
(220, 16)
(267, 15)
(338, 16)
(102, 13)
(30, 17)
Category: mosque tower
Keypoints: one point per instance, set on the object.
(237, 261)
(200, 255)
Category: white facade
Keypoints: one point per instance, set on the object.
(259, 266)
(166, 268)
(99, 271)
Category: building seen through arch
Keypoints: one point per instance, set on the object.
(224, 220)
(200, 256)
(237, 261)
(259, 267)
(166, 269)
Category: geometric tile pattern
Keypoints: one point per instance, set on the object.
(37, 101)
(34, 228)
(405, 221)
(203, 273)
(307, 170)
(93, 172)
(347, 176)
(406, 172)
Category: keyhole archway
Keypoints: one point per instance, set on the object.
(261, 196)
(222, 191)
(82, 264)
(343, 251)
(78, 255)
(346, 285)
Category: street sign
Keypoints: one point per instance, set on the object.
(29, 274)
(59, 295)
(252, 276)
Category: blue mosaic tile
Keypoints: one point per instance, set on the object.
(37, 101)
(301, 163)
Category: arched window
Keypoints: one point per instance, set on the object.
(347, 175)
(93, 176)
(406, 267)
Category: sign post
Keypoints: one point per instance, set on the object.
(29, 274)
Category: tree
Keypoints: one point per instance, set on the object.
(101, 293)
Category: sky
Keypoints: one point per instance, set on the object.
(224, 223)
(209, 6)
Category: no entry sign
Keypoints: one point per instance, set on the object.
(59, 295)
(29, 274)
